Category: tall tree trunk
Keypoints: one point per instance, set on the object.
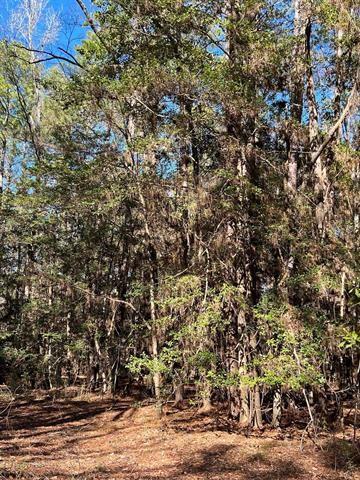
(339, 85)
(297, 88)
(310, 91)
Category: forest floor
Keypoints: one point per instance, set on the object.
(102, 438)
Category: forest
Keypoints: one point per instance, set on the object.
(180, 211)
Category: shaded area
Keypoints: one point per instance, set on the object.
(341, 454)
(39, 414)
(104, 438)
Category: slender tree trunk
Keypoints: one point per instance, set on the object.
(68, 352)
(276, 410)
(339, 85)
(310, 91)
(179, 394)
(297, 84)
(258, 422)
(2, 167)
(206, 406)
(245, 400)
(154, 340)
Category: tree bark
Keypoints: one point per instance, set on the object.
(276, 410)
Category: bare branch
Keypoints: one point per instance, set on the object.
(88, 17)
(349, 104)
(51, 56)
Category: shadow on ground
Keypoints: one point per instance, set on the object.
(341, 455)
(58, 439)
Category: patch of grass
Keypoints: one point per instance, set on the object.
(257, 457)
(6, 396)
(342, 455)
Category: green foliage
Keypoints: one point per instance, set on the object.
(350, 339)
(146, 207)
(286, 371)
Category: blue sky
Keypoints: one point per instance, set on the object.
(67, 5)
(70, 14)
(64, 4)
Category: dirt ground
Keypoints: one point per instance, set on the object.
(98, 438)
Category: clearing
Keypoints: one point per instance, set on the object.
(104, 438)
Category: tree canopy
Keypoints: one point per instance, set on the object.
(180, 203)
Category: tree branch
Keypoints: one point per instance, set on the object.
(92, 24)
(51, 56)
(88, 17)
(349, 104)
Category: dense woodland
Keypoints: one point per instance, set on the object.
(180, 204)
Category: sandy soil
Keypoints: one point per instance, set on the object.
(98, 438)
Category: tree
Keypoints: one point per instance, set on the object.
(187, 211)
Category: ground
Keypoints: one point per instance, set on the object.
(102, 438)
